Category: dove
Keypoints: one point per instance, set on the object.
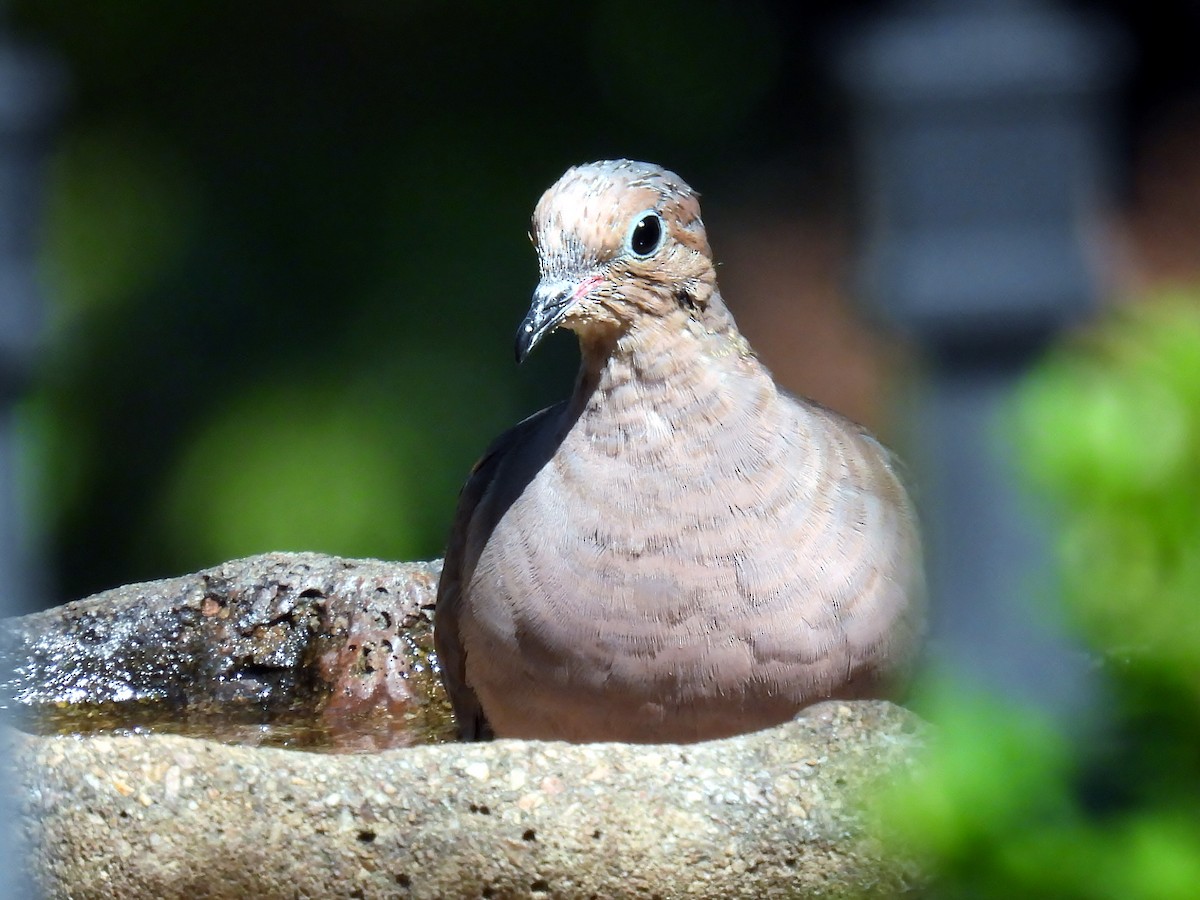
(681, 550)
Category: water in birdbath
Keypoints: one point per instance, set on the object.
(292, 729)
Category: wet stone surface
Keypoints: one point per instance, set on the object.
(298, 650)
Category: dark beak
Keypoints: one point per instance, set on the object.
(551, 301)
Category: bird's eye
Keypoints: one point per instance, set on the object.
(646, 235)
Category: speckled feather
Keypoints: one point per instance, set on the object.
(680, 551)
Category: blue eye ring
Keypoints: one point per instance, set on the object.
(646, 235)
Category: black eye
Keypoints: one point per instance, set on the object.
(646, 234)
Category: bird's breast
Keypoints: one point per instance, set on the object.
(626, 544)
(694, 562)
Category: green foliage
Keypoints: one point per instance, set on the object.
(1010, 806)
(293, 467)
(122, 210)
(992, 790)
(1113, 429)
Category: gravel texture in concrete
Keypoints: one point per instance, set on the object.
(770, 814)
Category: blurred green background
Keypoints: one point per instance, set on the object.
(286, 248)
(286, 253)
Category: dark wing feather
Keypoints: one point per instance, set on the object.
(490, 488)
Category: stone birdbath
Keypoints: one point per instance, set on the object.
(274, 727)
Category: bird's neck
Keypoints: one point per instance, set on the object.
(667, 363)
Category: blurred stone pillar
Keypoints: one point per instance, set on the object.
(983, 151)
(30, 88)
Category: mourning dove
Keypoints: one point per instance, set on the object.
(681, 550)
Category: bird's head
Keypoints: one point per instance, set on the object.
(617, 241)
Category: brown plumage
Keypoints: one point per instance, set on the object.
(680, 551)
